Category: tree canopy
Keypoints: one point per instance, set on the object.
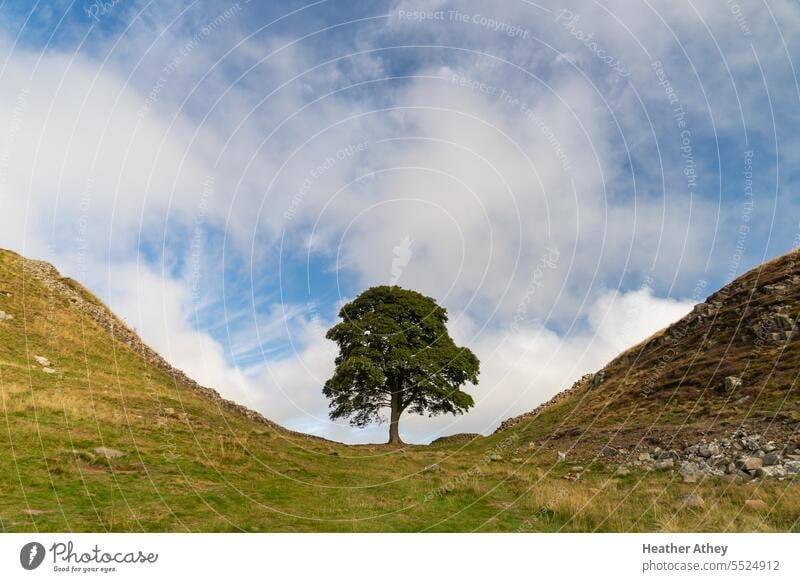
(395, 353)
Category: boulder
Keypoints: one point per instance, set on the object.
(690, 472)
(608, 451)
(664, 464)
(775, 472)
(792, 467)
(692, 500)
(770, 459)
(749, 463)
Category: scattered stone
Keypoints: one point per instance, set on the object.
(707, 451)
(738, 457)
(608, 451)
(756, 505)
(792, 467)
(432, 468)
(749, 463)
(622, 470)
(693, 500)
(770, 459)
(664, 464)
(42, 361)
(572, 476)
(731, 383)
(775, 472)
(495, 458)
(562, 456)
(690, 472)
(108, 453)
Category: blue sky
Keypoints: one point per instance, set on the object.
(566, 178)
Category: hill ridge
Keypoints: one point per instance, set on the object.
(777, 281)
(87, 303)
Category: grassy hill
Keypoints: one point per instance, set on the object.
(98, 433)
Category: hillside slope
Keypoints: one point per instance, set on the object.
(99, 433)
(733, 362)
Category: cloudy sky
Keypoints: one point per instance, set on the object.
(566, 178)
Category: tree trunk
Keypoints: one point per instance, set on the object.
(394, 421)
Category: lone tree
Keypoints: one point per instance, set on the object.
(395, 353)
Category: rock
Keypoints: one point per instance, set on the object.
(169, 411)
(495, 458)
(48, 370)
(42, 361)
(562, 456)
(756, 505)
(664, 464)
(690, 472)
(432, 468)
(707, 451)
(664, 455)
(645, 457)
(108, 453)
(622, 470)
(775, 472)
(598, 379)
(517, 460)
(693, 500)
(749, 463)
(4, 316)
(608, 451)
(792, 467)
(731, 383)
(572, 476)
(770, 459)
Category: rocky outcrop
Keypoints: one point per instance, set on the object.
(82, 300)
